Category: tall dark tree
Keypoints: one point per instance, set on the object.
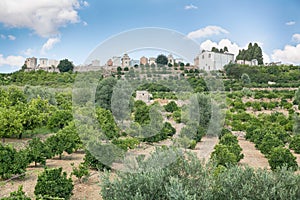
(253, 52)
(161, 60)
(65, 66)
(104, 92)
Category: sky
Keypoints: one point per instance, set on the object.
(72, 29)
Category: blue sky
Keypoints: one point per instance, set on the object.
(73, 28)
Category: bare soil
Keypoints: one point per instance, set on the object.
(252, 156)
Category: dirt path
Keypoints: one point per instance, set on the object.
(252, 156)
(204, 148)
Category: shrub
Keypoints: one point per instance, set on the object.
(81, 171)
(53, 183)
(281, 157)
(12, 162)
(93, 162)
(295, 144)
(171, 107)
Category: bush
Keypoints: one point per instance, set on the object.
(53, 183)
(12, 162)
(37, 151)
(281, 157)
(126, 143)
(295, 144)
(269, 142)
(223, 156)
(81, 171)
(93, 163)
(171, 107)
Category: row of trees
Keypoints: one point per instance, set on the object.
(253, 52)
(188, 178)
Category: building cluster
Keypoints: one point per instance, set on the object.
(206, 60)
(49, 65)
(126, 61)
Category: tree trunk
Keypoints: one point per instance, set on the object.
(20, 136)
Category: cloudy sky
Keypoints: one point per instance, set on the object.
(71, 29)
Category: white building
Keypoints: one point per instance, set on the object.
(209, 60)
(170, 59)
(43, 63)
(116, 61)
(144, 96)
(253, 62)
(53, 63)
(152, 60)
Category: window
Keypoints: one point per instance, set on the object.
(209, 55)
(202, 56)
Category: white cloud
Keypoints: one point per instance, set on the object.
(190, 7)
(290, 23)
(290, 54)
(85, 3)
(85, 23)
(3, 36)
(296, 37)
(206, 32)
(49, 44)
(44, 17)
(28, 52)
(232, 47)
(11, 37)
(13, 61)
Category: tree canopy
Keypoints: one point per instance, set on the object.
(161, 60)
(65, 66)
(253, 52)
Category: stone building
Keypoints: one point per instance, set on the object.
(125, 60)
(209, 60)
(110, 63)
(144, 96)
(31, 63)
(143, 60)
(116, 61)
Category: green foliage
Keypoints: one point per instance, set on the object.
(171, 107)
(81, 171)
(245, 78)
(295, 143)
(53, 183)
(37, 151)
(269, 142)
(187, 178)
(223, 156)
(161, 60)
(65, 66)
(231, 142)
(93, 162)
(104, 92)
(281, 157)
(107, 123)
(10, 123)
(59, 119)
(12, 162)
(67, 139)
(17, 195)
(141, 112)
(126, 143)
(253, 52)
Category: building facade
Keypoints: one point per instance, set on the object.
(170, 59)
(209, 60)
(31, 63)
(143, 60)
(116, 61)
(125, 60)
